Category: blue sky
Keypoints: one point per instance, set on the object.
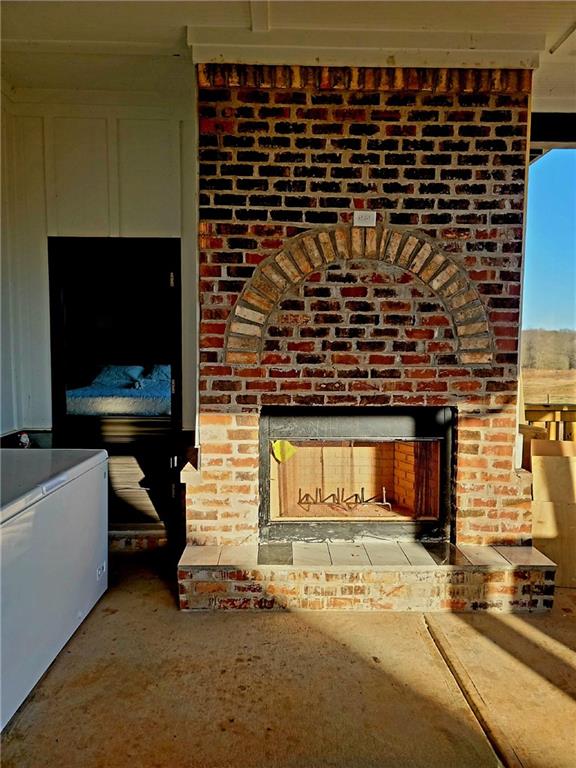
(550, 262)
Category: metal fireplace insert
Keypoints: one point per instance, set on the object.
(344, 474)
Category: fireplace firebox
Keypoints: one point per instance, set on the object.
(343, 474)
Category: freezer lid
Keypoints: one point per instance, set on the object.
(30, 474)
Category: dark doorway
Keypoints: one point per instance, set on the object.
(115, 313)
(115, 329)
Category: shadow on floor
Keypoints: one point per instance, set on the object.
(141, 682)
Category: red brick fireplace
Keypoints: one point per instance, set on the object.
(301, 309)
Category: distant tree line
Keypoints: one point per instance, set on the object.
(549, 350)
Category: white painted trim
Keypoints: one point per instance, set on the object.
(114, 213)
(8, 274)
(206, 54)
(31, 264)
(176, 111)
(121, 100)
(260, 15)
(362, 39)
(52, 224)
(357, 47)
(189, 272)
(175, 128)
(93, 47)
(17, 318)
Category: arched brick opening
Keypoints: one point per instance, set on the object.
(319, 248)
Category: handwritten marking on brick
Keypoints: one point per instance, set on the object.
(287, 266)
(312, 251)
(421, 258)
(404, 258)
(357, 249)
(274, 276)
(392, 247)
(371, 243)
(326, 247)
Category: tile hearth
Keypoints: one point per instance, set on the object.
(368, 575)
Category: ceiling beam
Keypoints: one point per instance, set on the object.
(410, 39)
(353, 57)
(366, 47)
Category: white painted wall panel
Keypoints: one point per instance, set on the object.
(29, 257)
(80, 157)
(149, 178)
(9, 413)
(189, 266)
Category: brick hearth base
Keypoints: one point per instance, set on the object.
(310, 576)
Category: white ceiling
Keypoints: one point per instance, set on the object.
(150, 46)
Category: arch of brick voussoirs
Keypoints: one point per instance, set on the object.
(316, 249)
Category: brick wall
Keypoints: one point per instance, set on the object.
(297, 309)
(222, 506)
(404, 475)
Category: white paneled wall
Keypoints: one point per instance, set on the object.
(114, 175)
(77, 182)
(86, 170)
(27, 401)
(149, 149)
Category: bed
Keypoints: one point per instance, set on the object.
(124, 390)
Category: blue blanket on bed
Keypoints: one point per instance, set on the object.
(155, 389)
(154, 399)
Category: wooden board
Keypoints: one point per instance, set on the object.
(553, 448)
(529, 435)
(554, 478)
(554, 534)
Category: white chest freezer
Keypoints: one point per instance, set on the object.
(53, 558)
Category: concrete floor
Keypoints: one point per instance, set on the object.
(141, 684)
